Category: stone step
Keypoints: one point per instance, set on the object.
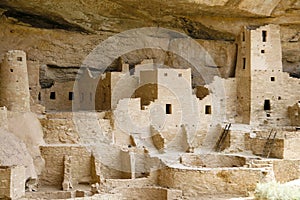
(261, 162)
(265, 163)
(261, 165)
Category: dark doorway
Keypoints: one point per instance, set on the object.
(267, 105)
(168, 109)
(208, 109)
(264, 36)
(71, 96)
(52, 95)
(39, 96)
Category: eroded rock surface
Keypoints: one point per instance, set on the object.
(60, 34)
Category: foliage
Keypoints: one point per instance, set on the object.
(276, 191)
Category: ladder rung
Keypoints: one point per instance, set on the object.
(269, 144)
(222, 137)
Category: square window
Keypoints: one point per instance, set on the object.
(267, 105)
(168, 109)
(52, 95)
(165, 74)
(272, 78)
(19, 59)
(262, 51)
(208, 109)
(180, 75)
(71, 96)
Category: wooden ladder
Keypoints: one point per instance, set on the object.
(269, 144)
(222, 138)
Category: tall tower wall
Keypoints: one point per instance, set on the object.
(14, 85)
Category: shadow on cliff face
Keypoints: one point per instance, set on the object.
(42, 21)
(197, 30)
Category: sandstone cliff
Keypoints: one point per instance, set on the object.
(60, 33)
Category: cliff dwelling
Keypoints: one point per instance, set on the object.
(150, 112)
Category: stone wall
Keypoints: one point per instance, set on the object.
(104, 90)
(5, 182)
(158, 140)
(261, 99)
(286, 170)
(12, 182)
(121, 166)
(133, 183)
(68, 127)
(59, 130)
(285, 146)
(114, 86)
(175, 107)
(129, 118)
(62, 195)
(58, 126)
(212, 160)
(54, 162)
(148, 88)
(50, 195)
(57, 97)
(150, 193)
(14, 86)
(294, 114)
(242, 74)
(3, 118)
(174, 89)
(147, 193)
(123, 85)
(197, 182)
(235, 141)
(273, 83)
(256, 145)
(33, 67)
(291, 148)
(223, 103)
(223, 100)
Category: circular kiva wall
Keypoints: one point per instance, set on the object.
(212, 160)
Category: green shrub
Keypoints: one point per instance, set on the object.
(276, 191)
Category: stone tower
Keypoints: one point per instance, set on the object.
(258, 73)
(14, 86)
